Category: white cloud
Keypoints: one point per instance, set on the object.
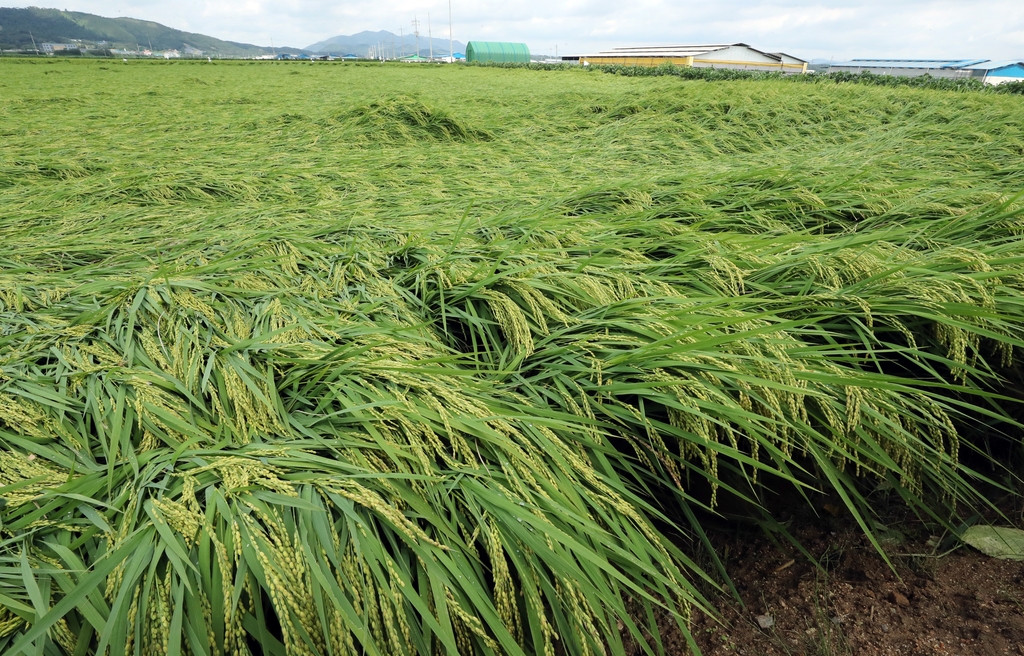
(805, 28)
(608, 28)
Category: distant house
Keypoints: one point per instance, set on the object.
(986, 70)
(50, 48)
(736, 56)
(192, 52)
(171, 54)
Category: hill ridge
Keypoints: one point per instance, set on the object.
(20, 27)
(360, 42)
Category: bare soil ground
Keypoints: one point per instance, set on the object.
(936, 598)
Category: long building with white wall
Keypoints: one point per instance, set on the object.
(986, 70)
(737, 56)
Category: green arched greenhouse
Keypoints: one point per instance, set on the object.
(497, 51)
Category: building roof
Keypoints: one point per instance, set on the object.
(684, 51)
(934, 64)
(678, 51)
(904, 63)
(997, 64)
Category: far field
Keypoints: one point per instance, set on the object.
(377, 359)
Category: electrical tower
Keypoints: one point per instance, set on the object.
(416, 31)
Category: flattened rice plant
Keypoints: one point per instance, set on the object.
(321, 360)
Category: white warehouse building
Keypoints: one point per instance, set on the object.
(736, 56)
(986, 70)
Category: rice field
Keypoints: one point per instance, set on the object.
(381, 359)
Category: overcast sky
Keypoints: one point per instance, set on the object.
(934, 29)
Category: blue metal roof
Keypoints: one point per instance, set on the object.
(965, 64)
(907, 63)
(993, 65)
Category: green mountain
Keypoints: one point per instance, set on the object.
(400, 45)
(18, 28)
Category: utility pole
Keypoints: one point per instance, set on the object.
(34, 47)
(416, 31)
(451, 50)
(401, 41)
(430, 37)
(272, 48)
